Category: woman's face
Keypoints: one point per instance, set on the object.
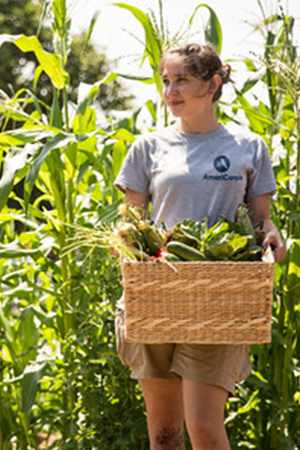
(185, 94)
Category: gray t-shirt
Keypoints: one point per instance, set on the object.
(191, 176)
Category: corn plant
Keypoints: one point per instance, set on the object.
(60, 377)
(65, 165)
(271, 396)
(158, 39)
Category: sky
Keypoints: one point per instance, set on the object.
(116, 27)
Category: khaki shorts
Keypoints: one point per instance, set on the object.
(220, 365)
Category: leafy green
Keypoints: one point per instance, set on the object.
(226, 240)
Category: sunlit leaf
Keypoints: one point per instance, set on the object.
(59, 141)
(15, 160)
(28, 334)
(59, 8)
(49, 62)
(6, 326)
(124, 135)
(213, 31)
(152, 110)
(257, 120)
(91, 27)
(33, 373)
(15, 250)
(114, 75)
(152, 49)
(24, 135)
(293, 276)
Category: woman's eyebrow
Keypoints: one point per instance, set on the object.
(185, 74)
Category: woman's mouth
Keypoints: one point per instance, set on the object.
(175, 103)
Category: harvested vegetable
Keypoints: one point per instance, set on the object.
(136, 238)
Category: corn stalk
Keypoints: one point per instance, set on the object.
(279, 122)
(49, 153)
(157, 40)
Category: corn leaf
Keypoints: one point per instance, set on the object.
(29, 384)
(152, 110)
(23, 136)
(15, 160)
(59, 141)
(37, 73)
(124, 135)
(119, 152)
(153, 48)
(59, 8)
(213, 31)
(15, 250)
(28, 334)
(8, 38)
(21, 291)
(256, 118)
(49, 62)
(91, 27)
(293, 275)
(14, 113)
(112, 76)
(86, 122)
(7, 326)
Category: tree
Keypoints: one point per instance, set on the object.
(84, 64)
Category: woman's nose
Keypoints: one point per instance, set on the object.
(170, 89)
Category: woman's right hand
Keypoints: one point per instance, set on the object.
(134, 198)
(137, 199)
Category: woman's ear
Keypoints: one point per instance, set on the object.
(215, 83)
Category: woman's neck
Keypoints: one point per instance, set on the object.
(199, 123)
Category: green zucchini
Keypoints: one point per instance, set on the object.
(185, 252)
(171, 257)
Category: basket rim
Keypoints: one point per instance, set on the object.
(267, 259)
(223, 263)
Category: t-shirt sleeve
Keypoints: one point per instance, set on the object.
(261, 179)
(133, 173)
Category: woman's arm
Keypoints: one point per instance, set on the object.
(135, 198)
(260, 210)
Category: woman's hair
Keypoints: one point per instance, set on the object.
(201, 61)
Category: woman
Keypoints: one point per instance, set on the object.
(194, 169)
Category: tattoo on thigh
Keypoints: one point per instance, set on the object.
(169, 438)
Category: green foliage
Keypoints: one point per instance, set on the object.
(59, 373)
(213, 31)
(16, 20)
(272, 391)
(83, 63)
(56, 309)
(158, 40)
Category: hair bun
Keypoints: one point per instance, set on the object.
(225, 73)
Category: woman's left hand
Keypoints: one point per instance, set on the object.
(273, 239)
(260, 211)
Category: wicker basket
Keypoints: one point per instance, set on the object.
(199, 302)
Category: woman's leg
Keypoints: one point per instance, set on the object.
(204, 415)
(165, 417)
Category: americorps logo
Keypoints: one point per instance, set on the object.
(222, 165)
